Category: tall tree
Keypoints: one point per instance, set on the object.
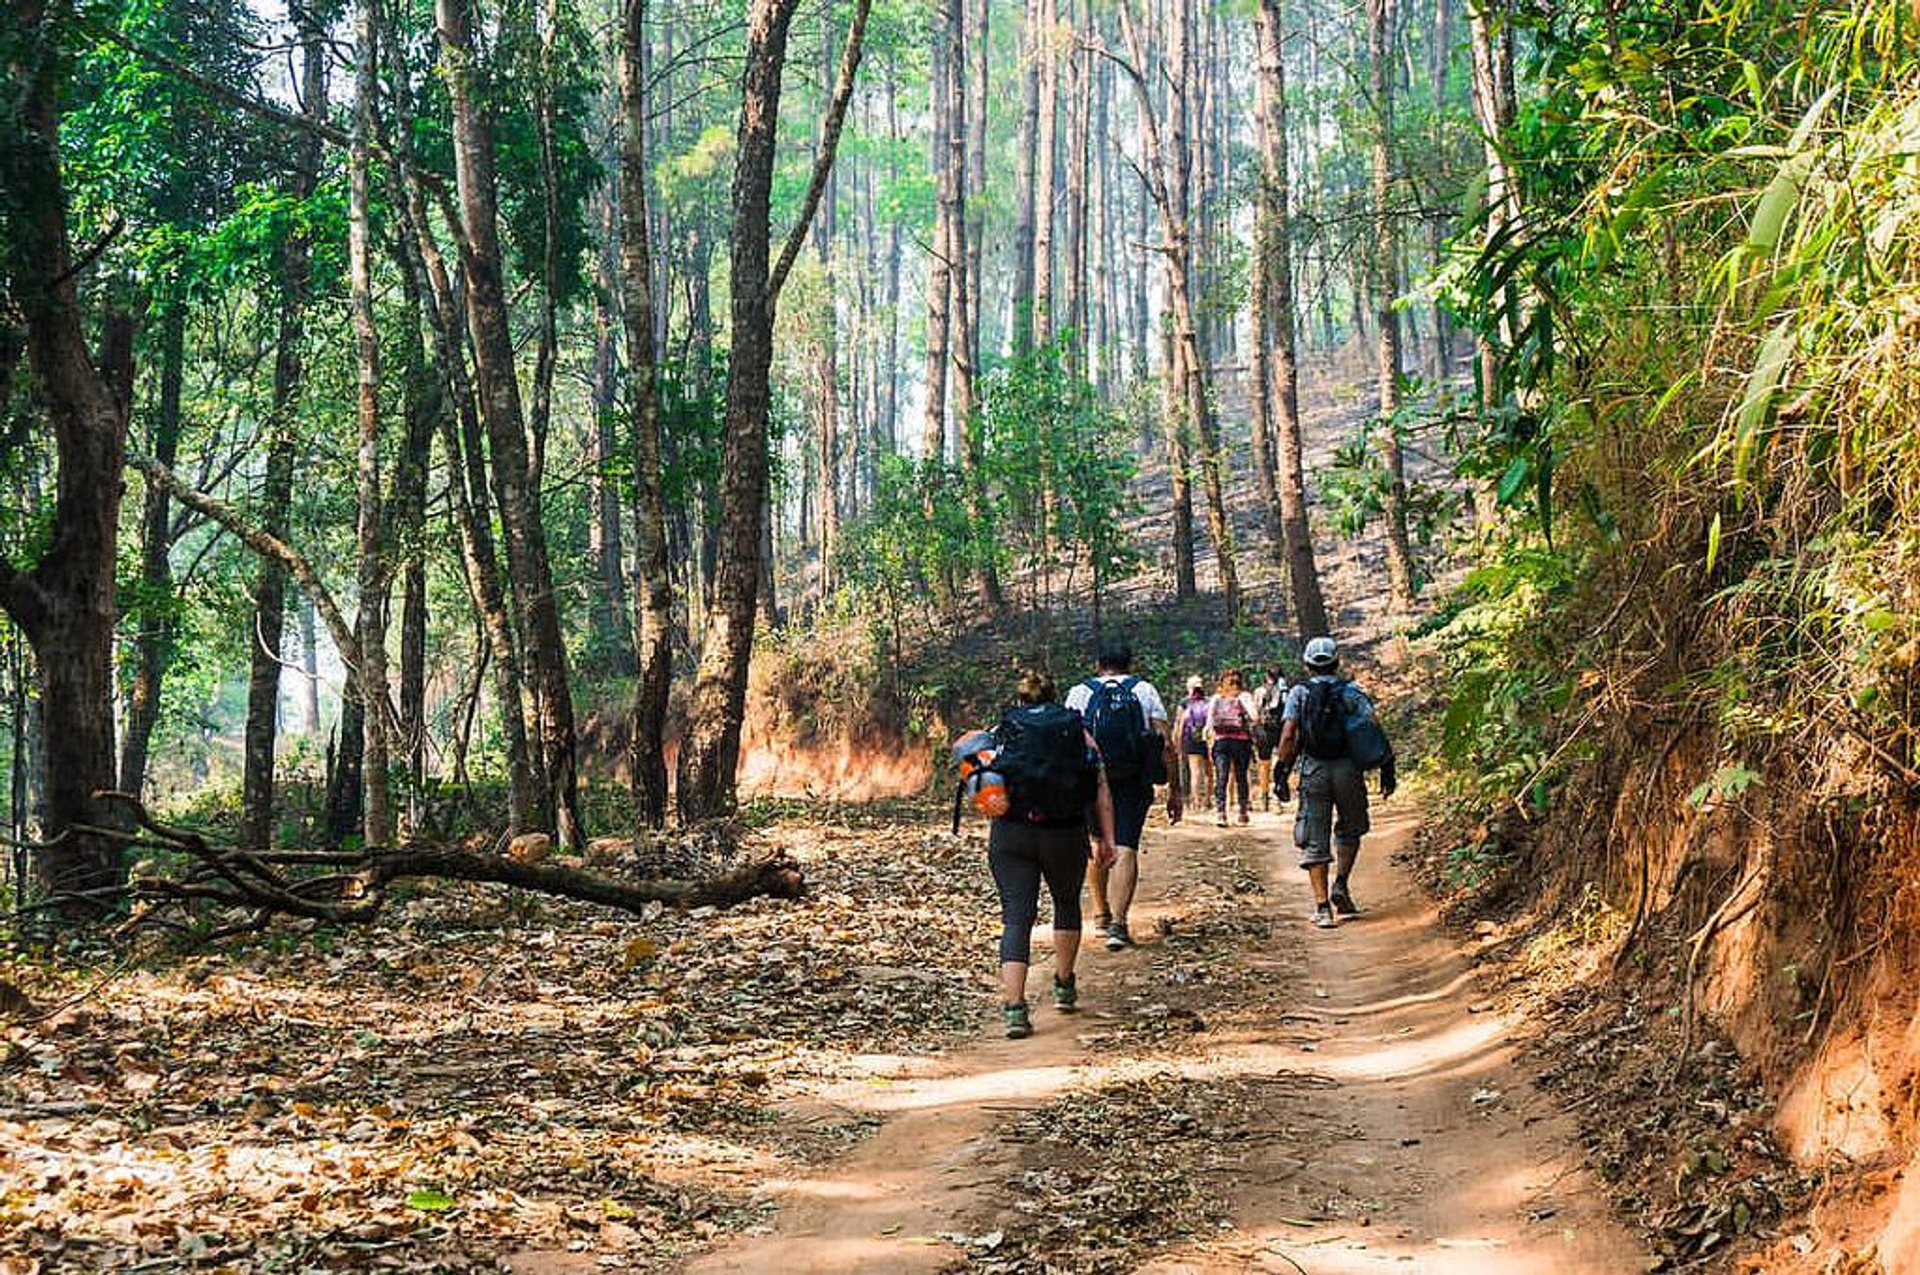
(710, 755)
(1385, 284)
(376, 573)
(64, 602)
(1276, 377)
(289, 374)
(1169, 176)
(653, 596)
(515, 485)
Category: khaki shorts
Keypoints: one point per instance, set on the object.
(1333, 809)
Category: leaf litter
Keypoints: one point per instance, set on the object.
(481, 1074)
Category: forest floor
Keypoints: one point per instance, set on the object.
(483, 1083)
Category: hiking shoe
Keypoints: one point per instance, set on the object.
(1102, 922)
(1244, 816)
(1066, 994)
(1322, 917)
(1220, 819)
(1019, 1022)
(1117, 937)
(1343, 901)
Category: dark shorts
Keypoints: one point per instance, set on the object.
(1132, 799)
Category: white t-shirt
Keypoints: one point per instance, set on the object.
(1151, 706)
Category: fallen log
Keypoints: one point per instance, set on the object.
(352, 887)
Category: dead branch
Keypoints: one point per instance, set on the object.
(355, 887)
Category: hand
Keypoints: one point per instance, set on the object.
(1282, 791)
(1105, 853)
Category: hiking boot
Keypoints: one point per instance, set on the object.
(1322, 917)
(1102, 922)
(1244, 816)
(1342, 900)
(1117, 937)
(1019, 1022)
(1220, 819)
(1066, 994)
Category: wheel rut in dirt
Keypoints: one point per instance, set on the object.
(1375, 1116)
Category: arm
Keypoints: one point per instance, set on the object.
(1284, 756)
(1164, 729)
(1104, 853)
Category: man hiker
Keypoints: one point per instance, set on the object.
(1046, 756)
(1129, 722)
(1329, 726)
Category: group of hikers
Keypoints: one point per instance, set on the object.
(1069, 784)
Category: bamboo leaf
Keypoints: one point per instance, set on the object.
(1756, 403)
(1713, 543)
(1777, 202)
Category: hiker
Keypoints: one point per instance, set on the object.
(1329, 726)
(1051, 766)
(1230, 721)
(1129, 723)
(1197, 766)
(1269, 704)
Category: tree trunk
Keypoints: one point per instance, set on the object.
(65, 602)
(710, 755)
(826, 230)
(153, 646)
(459, 426)
(1386, 288)
(369, 680)
(289, 370)
(976, 188)
(1075, 257)
(517, 496)
(1279, 383)
(964, 341)
(611, 634)
(940, 267)
(653, 594)
(1169, 170)
(1046, 172)
(1020, 320)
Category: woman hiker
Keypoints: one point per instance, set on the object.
(1036, 840)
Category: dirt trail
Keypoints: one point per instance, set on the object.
(1412, 1140)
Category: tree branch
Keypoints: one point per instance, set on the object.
(829, 143)
(267, 546)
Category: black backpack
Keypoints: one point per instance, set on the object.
(1273, 714)
(1323, 719)
(1119, 726)
(1043, 758)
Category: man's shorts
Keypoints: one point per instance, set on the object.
(1333, 808)
(1132, 798)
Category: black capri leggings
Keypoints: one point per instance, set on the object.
(1021, 855)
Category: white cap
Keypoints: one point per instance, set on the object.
(1195, 682)
(1321, 653)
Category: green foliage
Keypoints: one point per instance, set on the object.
(1505, 687)
(1058, 463)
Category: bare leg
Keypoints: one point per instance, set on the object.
(1121, 880)
(1317, 882)
(1066, 946)
(1097, 883)
(1013, 981)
